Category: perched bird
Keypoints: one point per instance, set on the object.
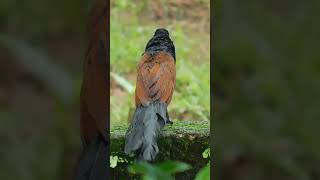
(155, 84)
(94, 98)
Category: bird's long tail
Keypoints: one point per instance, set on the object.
(141, 137)
(93, 161)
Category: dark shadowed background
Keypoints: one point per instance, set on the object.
(42, 47)
(266, 107)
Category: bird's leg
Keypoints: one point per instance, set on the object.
(168, 119)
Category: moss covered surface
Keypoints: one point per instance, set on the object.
(183, 141)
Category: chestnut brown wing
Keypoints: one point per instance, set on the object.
(155, 79)
(95, 86)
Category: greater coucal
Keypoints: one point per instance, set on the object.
(154, 88)
(94, 99)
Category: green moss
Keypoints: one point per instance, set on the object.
(183, 141)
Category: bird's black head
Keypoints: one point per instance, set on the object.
(161, 32)
(161, 42)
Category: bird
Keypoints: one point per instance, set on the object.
(94, 98)
(155, 84)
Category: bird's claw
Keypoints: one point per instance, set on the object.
(169, 122)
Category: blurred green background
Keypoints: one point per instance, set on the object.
(133, 23)
(266, 80)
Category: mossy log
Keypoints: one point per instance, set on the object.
(183, 141)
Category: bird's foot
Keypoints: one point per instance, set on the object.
(169, 122)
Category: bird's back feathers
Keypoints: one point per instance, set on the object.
(154, 88)
(156, 79)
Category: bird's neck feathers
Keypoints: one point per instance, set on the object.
(161, 42)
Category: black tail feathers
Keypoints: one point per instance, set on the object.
(93, 162)
(141, 137)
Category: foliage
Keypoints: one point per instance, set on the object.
(206, 153)
(164, 170)
(115, 159)
(204, 173)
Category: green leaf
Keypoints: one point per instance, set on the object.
(140, 168)
(204, 173)
(113, 161)
(154, 172)
(206, 153)
(173, 167)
